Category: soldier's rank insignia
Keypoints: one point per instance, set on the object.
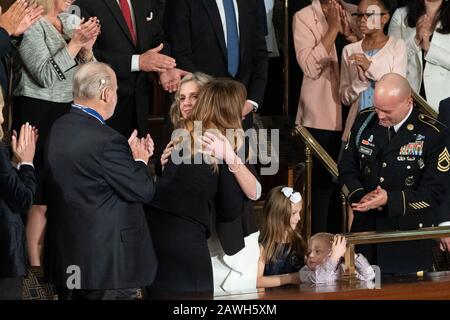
(444, 161)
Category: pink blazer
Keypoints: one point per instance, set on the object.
(391, 58)
(319, 106)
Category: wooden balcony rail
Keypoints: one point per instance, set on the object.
(383, 237)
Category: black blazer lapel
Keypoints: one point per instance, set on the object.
(139, 18)
(213, 12)
(243, 29)
(117, 14)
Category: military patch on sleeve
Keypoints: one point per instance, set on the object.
(444, 161)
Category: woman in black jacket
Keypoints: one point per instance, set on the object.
(17, 188)
(190, 190)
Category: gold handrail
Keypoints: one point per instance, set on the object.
(317, 149)
(313, 147)
(423, 104)
(383, 237)
(370, 237)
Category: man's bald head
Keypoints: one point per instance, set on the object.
(393, 86)
(392, 99)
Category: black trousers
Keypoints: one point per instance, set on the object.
(116, 294)
(184, 262)
(11, 288)
(326, 210)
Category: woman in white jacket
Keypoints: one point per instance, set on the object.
(424, 25)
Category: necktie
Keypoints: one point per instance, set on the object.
(126, 12)
(391, 133)
(232, 37)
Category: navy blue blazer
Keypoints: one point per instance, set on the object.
(95, 217)
(17, 190)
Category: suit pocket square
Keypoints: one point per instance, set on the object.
(149, 17)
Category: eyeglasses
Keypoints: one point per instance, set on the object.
(360, 15)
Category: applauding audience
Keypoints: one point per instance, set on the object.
(424, 25)
(44, 67)
(366, 61)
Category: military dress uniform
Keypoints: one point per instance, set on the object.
(411, 166)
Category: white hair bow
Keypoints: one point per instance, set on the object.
(295, 197)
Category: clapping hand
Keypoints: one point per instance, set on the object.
(333, 16)
(24, 146)
(149, 144)
(361, 61)
(86, 33)
(423, 32)
(88, 45)
(141, 148)
(373, 200)
(34, 14)
(13, 17)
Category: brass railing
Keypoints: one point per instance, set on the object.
(314, 148)
(391, 236)
(423, 105)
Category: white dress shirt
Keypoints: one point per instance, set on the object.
(398, 125)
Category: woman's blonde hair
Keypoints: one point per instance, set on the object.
(200, 79)
(276, 227)
(47, 5)
(219, 107)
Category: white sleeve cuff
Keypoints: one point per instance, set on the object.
(24, 163)
(255, 105)
(135, 63)
(145, 162)
(444, 224)
(258, 190)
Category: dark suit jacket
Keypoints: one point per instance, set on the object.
(16, 196)
(95, 218)
(5, 49)
(444, 117)
(115, 47)
(195, 33)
